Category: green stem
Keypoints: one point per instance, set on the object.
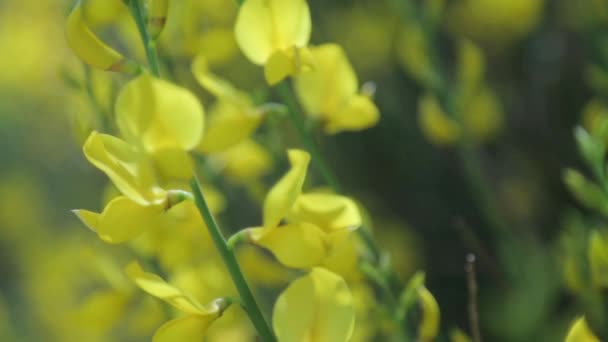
(480, 189)
(308, 140)
(248, 300)
(139, 15)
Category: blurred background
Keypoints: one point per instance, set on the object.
(539, 59)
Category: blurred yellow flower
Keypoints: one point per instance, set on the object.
(159, 115)
(190, 327)
(317, 224)
(232, 119)
(275, 33)
(90, 49)
(580, 332)
(323, 305)
(330, 92)
(435, 124)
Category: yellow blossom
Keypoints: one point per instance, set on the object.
(316, 223)
(190, 327)
(232, 119)
(323, 304)
(159, 115)
(580, 332)
(274, 33)
(90, 49)
(330, 92)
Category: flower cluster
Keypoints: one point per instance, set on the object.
(160, 138)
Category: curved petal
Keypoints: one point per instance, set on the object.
(187, 328)
(123, 219)
(358, 114)
(284, 193)
(327, 211)
(265, 26)
(429, 326)
(330, 84)
(159, 114)
(229, 124)
(323, 304)
(123, 165)
(295, 245)
(214, 84)
(158, 287)
(91, 49)
(580, 332)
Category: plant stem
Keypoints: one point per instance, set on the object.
(248, 300)
(478, 184)
(139, 16)
(308, 140)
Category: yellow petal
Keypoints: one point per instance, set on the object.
(327, 211)
(429, 326)
(265, 26)
(159, 114)
(330, 84)
(580, 332)
(214, 84)
(90, 49)
(357, 114)
(157, 287)
(323, 305)
(101, 12)
(157, 16)
(173, 164)
(230, 122)
(187, 328)
(483, 115)
(435, 124)
(89, 218)
(278, 67)
(245, 161)
(123, 220)
(284, 193)
(294, 245)
(101, 310)
(124, 166)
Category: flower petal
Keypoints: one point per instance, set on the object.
(159, 114)
(295, 245)
(358, 114)
(328, 211)
(123, 219)
(158, 287)
(187, 328)
(123, 165)
(284, 193)
(90, 49)
(580, 332)
(230, 122)
(323, 304)
(330, 84)
(265, 26)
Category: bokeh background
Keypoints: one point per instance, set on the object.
(538, 56)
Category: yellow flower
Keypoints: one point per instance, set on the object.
(330, 92)
(232, 119)
(323, 305)
(274, 33)
(144, 202)
(429, 326)
(244, 162)
(435, 124)
(90, 49)
(190, 327)
(580, 332)
(159, 115)
(316, 223)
